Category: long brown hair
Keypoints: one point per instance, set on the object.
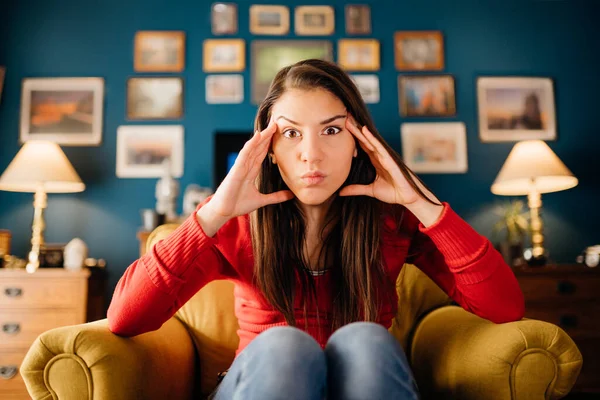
(354, 223)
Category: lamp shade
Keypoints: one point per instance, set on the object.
(532, 166)
(41, 164)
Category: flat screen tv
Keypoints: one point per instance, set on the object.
(227, 147)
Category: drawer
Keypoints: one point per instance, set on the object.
(20, 328)
(590, 350)
(539, 289)
(11, 381)
(48, 292)
(573, 319)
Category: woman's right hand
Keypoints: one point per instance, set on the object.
(238, 195)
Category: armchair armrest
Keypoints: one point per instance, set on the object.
(463, 356)
(88, 361)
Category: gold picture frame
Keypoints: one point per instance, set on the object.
(159, 51)
(358, 19)
(419, 50)
(154, 98)
(314, 20)
(224, 55)
(427, 95)
(269, 20)
(359, 54)
(224, 18)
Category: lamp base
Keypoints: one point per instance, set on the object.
(535, 259)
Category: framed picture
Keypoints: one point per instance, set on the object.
(368, 86)
(159, 51)
(435, 147)
(269, 20)
(419, 51)
(358, 54)
(224, 89)
(515, 108)
(154, 98)
(314, 20)
(227, 147)
(224, 19)
(143, 151)
(269, 56)
(426, 95)
(2, 75)
(224, 55)
(358, 19)
(67, 111)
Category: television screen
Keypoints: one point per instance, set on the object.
(227, 148)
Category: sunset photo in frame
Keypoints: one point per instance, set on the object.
(426, 95)
(159, 51)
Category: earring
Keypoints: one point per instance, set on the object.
(272, 158)
(355, 152)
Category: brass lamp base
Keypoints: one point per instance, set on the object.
(536, 256)
(40, 201)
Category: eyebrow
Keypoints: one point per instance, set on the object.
(328, 120)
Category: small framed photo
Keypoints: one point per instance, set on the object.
(224, 55)
(224, 19)
(224, 89)
(426, 95)
(2, 75)
(143, 151)
(155, 98)
(419, 50)
(358, 19)
(67, 111)
(269, 20)
(314, 20)
(435, 147)
(516, 108)
(269, 56)
(359, 54)
(159, 51)
(368, 86)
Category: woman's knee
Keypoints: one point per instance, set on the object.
(363, 335)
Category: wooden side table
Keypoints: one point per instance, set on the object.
(568, 296)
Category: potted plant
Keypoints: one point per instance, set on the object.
(512, 228)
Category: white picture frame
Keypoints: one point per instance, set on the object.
(512, 109)
(368, 86)
(436, 147)
(67, 111)
(142, 149)
(224, 89)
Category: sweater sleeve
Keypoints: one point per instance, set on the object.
(467, 267)
(156, 285)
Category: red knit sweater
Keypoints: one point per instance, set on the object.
(462, 262)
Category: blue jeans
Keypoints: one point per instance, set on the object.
(361, 360)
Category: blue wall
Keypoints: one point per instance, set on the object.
(558, 39)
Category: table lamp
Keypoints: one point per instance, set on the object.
(40, 167)
(532, 168)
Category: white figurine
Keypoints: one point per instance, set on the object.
(75, 253)
(194, 195)
(167, 190)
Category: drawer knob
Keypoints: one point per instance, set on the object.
(8, 371)
(568, 321)
(13, 292)
(566, 287)
(11, 329)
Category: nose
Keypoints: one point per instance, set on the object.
(311, 149)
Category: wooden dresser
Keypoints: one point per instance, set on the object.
(29, 305)
(568, 296)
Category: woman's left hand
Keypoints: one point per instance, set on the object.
(390, 185)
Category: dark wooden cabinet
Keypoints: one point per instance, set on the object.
(568, 296)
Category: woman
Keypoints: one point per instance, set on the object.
(313, 224)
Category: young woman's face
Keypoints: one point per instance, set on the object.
(312, 147)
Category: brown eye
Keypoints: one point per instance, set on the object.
(291, 133)
(332, 130)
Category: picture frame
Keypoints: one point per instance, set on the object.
(419, 50)
(159, 51)
(314, 20)
(427, 95)
(225, 89)
(368, 86)
(67, 111)
(142, 150)
(435, 147)
(358, 19)
(359, 54)
(269, 20)
(224, 18)
(224, 55)
(269, 56)
(157, 98)
(2, 75)
(516, 108)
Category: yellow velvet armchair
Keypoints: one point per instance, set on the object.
(454, 354)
